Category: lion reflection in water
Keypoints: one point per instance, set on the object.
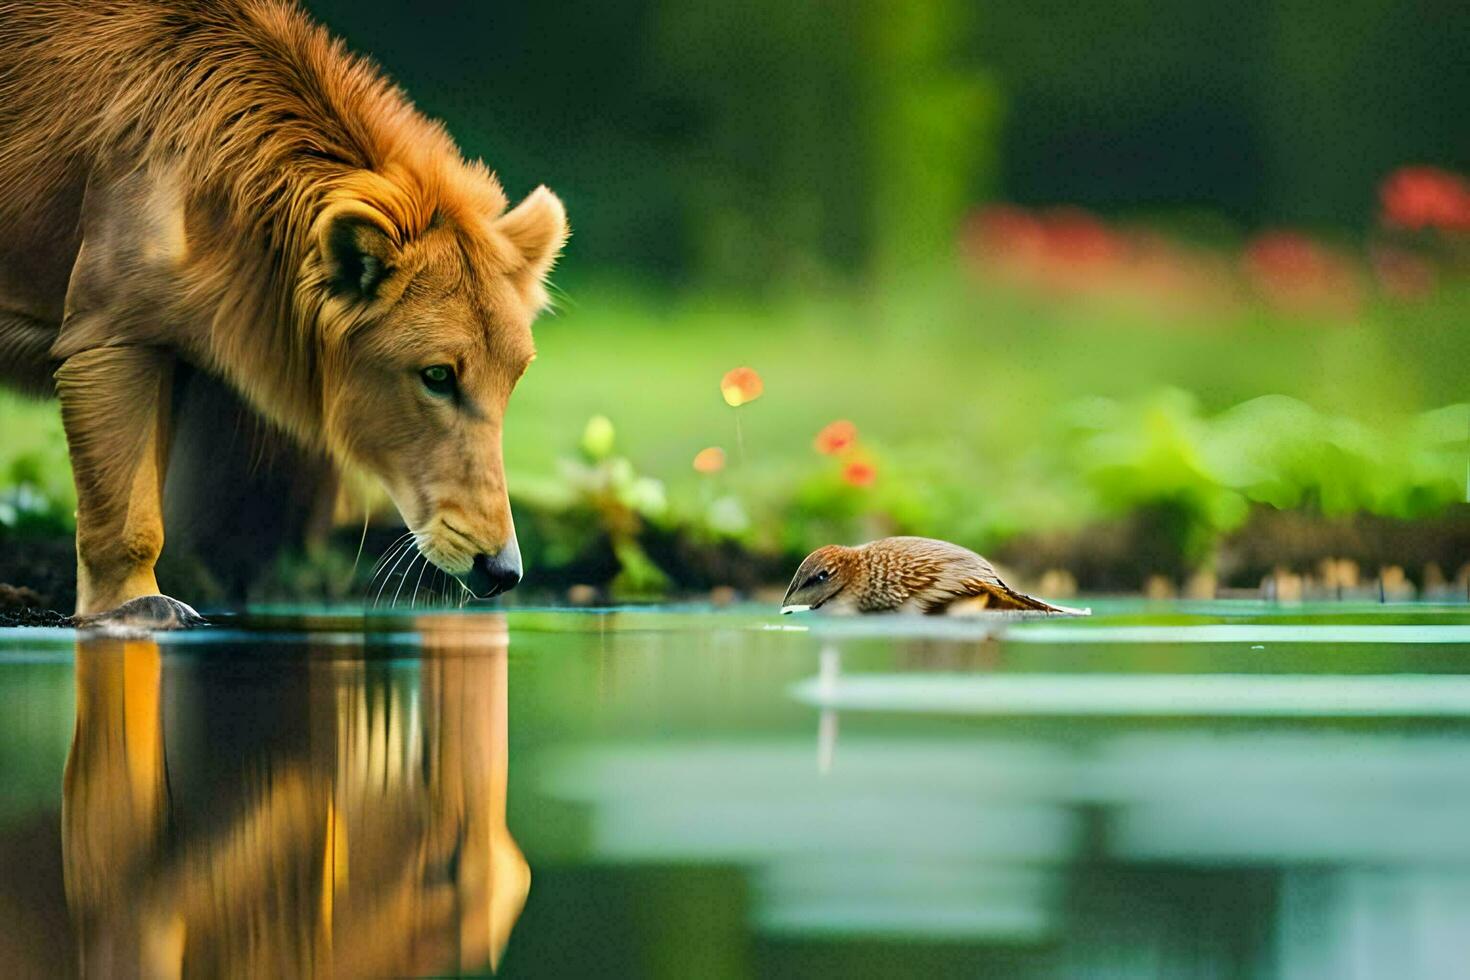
(377, 845)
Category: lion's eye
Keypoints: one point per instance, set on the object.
(439, 379)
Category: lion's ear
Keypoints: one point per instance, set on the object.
(537, 227)
(358, 249)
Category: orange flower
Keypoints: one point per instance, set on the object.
(1425, 197)
(859, 473)
(740, 386)
(710, 460)
(837, 437)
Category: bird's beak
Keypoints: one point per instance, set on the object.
(786, 610)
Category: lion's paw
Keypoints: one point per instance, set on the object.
(147, 612)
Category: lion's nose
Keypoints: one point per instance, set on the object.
(493, 574)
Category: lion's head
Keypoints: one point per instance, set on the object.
(425, 329)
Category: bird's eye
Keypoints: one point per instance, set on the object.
(438, 378)
(822, 575)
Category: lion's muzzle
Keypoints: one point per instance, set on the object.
(491, 575)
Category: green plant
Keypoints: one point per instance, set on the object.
(601, 493)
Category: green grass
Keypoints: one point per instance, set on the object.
(34, 468)
(959, 369)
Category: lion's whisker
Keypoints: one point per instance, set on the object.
(387, 553)
(394, 552)
(361, 542)
(379, 572)
(407, 550)
(404, 581)
(414, 599)
(394, 543)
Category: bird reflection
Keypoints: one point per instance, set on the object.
(358, 831)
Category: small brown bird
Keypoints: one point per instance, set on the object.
(919, 575)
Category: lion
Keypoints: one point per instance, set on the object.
(215, 192)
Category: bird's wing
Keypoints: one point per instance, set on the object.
(971, 592)
(941, 577)
(927, 561)
(976, 586)
(975, 594)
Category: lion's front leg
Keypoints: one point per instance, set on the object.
(114, 407)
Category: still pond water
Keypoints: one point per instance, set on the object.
(1229, 790)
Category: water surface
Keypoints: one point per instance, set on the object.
(1210, 789)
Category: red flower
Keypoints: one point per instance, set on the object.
(740, 386)
(1063, 247)
(710, 460)
(837, 437)
(1076, 238)
(859, 473)
(1293, 270)
(1004, 231)
(1284, 256)
(1425, 197)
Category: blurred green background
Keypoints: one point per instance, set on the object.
(769, 144)
(1128, 292)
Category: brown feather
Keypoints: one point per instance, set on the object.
(998, 595)
(925, 575)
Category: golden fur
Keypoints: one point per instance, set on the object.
(221, 183)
